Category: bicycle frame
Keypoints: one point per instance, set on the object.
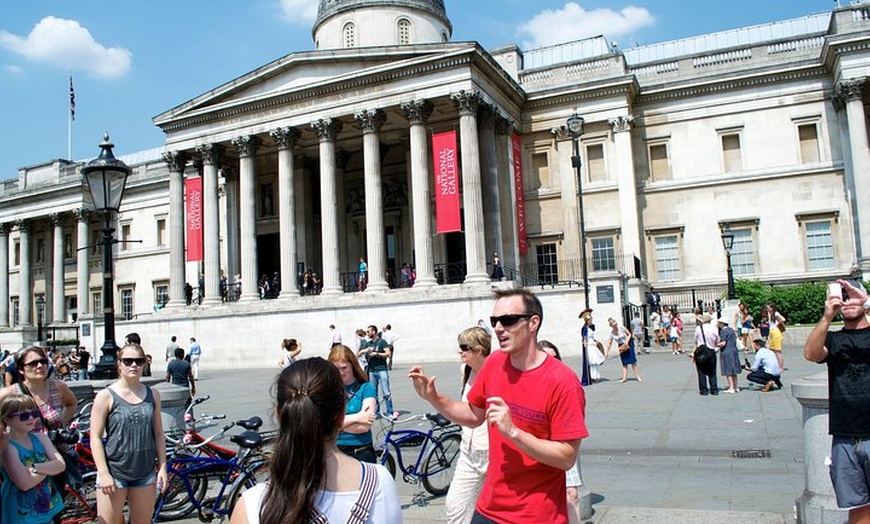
(396, 437)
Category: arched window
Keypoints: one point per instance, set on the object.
(403, 31)
(349, 34)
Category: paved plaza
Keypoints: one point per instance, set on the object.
(658, 451)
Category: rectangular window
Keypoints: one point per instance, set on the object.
(16, 318)
(161, 232)
(540, 171)
(548, 270)
(820, 245)
(659, 165)
(127, 303)
(731, 156)
(16, 253)
(97, 299)
(667, 258)
(808, 134)
(743, 252)
(603, 254)
(161, 294)
(125, 237)
(595, 165)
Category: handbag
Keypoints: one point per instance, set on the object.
(705, 357)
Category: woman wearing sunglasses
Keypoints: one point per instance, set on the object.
(28, 494)
(131, 464)
(56, 403)
(474, 347)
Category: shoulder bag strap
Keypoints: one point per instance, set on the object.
(362, 507)
(27, 392)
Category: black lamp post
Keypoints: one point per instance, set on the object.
(728, 243)
(40, 312)
(575, 129)
(106, 177)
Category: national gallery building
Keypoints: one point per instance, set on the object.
(422, 160)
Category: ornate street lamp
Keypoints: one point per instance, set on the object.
(40, 315)
(575, 129)
(728, 243)
(106, 177)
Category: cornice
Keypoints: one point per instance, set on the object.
(627, 90)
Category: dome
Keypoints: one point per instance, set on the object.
(366, 23)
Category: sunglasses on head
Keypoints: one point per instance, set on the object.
(507, 320)
(33, 363)
(130, 361)
(24, 416)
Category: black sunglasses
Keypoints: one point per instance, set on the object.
(24, 416)
(464, 347)
(33, 363)
(507, 320)
(130, 361)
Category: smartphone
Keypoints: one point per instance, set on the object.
(835, 289)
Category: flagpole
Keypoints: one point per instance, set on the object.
(70, 117)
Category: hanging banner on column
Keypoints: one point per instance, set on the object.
(193, 204)
(520, 192)
(447, 217)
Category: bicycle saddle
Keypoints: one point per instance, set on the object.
(438, 419)
(252, 424)
(248, 439)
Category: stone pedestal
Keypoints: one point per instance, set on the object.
(817, 504)
(173, 403)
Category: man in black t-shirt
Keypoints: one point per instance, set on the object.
(178, 372)
(847, 355)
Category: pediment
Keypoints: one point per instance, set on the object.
(308, 70)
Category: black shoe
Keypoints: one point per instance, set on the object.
(778, 384)
(705, 393)
(715, 392)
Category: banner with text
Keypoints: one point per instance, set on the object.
(520, 192)
(193, 204)
(447, 217)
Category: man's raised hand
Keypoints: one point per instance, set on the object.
(423, 385)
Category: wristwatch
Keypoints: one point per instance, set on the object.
(33, 470)
(867, 304)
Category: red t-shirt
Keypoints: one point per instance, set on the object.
(547, 402)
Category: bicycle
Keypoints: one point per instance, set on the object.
(436, 460)
(189, 477)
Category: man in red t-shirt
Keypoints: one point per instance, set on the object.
(536, 410)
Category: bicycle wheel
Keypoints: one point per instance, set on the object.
(440, 463)
(259, 473)
(386, 459)
(176, 503)
(80, 505)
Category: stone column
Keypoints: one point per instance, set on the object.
(211, 232)
(327, 129)
(25, 282)
(467, 102)
(302, 166)
(176, 160)
(370, 121)
(850, 93)
(489, 163)
(817, 504)
(58, 298)
(4, 275)
(83, 251)
(417, 113)
(342, 157)
(247, 148)
(231, 198)
(286, 137)
(626, 182)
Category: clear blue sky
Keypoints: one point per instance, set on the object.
(133, 60)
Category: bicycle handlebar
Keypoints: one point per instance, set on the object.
(180, 442)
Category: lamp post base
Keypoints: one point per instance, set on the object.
(107, 367)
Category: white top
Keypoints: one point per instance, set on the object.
(473, 439)
(386, 507)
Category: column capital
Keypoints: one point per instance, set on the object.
(418, 111)
(57, 218)
(82, 214)
(467, 102)
(209, 153)
(847, 90)
(504, 125)
(5, 228)
(621, 123)
(247, 145)
(285, 137)
(24, 225)
(175, 160)
(370, 120)
(326, 129)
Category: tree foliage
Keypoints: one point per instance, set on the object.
(800, 304)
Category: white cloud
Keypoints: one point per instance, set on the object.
(573, 22)
(67, 45)
(300, 12)
(13, 69)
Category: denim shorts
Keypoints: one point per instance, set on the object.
(850, 471)
(131, 484)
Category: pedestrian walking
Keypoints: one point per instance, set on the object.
(195, 353)
(377, 351)
(625, 346)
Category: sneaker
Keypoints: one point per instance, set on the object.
(395, 416)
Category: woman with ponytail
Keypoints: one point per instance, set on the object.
(310, 479)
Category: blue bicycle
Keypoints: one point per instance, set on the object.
(436, 459)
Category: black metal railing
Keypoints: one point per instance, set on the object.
(687, 300)
(571, 269)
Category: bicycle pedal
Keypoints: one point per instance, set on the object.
(409, 479)
(206, 515)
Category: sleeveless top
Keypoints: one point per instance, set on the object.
(131, 452)
(52, 409)
(36, 505)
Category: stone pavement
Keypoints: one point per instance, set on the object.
(658, 451)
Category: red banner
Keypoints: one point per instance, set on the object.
(520, 192)
(193, 204)
(447, 217)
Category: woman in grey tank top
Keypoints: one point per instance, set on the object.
(131, 465)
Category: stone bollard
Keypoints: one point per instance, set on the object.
(174, 401)
(817, 504)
